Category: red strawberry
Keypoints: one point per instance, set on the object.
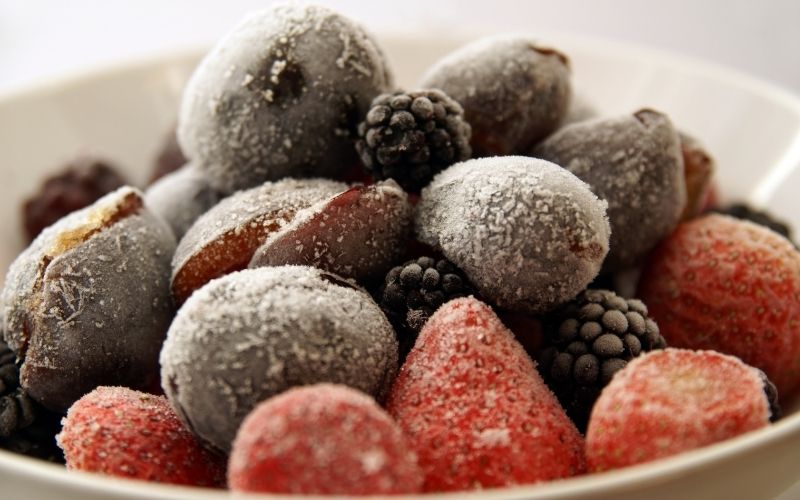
(322, 439)
(731, 286)
(476, 410)
(670, 401)
(127, 433)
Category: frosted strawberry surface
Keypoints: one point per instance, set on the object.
(731, 286)
(671, 401)
(122, 432)
(322, 439)
(476, 410)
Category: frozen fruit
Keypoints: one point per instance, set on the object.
(17, 411)
(322, 439)
(36, 440)
(79, 184)
(634, 163)
(528, 234)
(732, 286)
(9, 372)
(170, 157)
(477, 412)
(514, 91)
(587, 341)
(356, 234)
(281, 95)
(225, 238)
(180, 197)
(761, 217)
(255, 333)
(411, 136)
(88, 303)
(670, 401)
(698, 167)
(412, 292)
(25, 427)
(121, 432)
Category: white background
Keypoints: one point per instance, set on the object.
(43, 38)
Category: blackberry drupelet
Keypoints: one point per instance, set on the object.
(79, 184)
(9, 372)
(17, 411)
(412, 292)
(411, 136)
(25, 427)
(37, 440)
(587, 341)
(764, 218)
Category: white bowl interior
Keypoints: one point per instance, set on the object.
(752, 128)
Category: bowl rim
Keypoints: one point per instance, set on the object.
(609, 482)
(661, 470)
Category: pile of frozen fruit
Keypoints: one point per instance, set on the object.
(348, 288)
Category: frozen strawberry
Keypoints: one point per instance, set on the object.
(476, 410)
(357, 234)
(122, 432)
(671, 401)
(732, 286)
(322, 439)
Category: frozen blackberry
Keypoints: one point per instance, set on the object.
(9, 372)
(37, 439)
(82, 182)
(17, 411)
(772, 397)
(764, 218)
(587, 341)
(411, 136)
(25, 427)
(413, 291)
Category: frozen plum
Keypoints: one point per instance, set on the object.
(180, 197)
(255, 333)
(698, 167)
(357, 234)
(225, 238)
(528, 234)
(514, 91)
(169, 159)
(87, 303)
(281, 96)
(633, 162)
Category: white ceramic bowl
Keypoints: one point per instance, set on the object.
(752, 128)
